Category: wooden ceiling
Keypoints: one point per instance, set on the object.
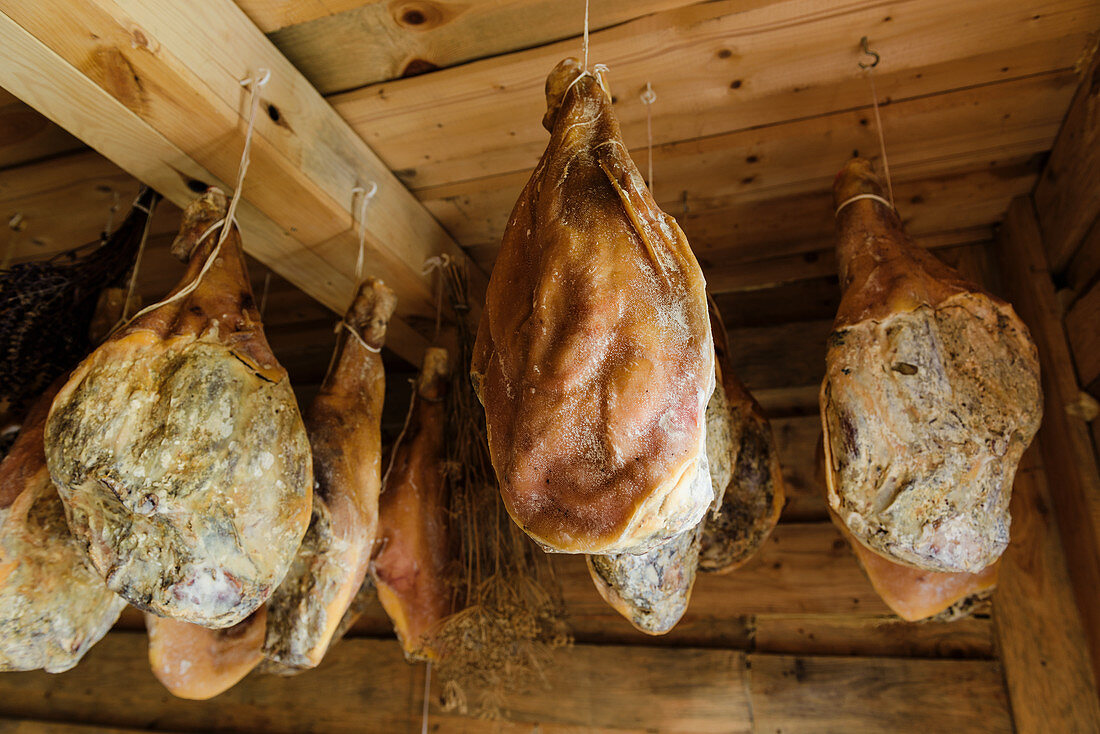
(758, 104)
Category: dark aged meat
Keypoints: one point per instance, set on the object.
(53, 607)
(931, 394)
(344, 424)
(410, 569)
(594, 359)
(754, 497)
(178, 449)
(199, 663)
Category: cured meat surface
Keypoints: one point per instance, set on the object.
(410, 568)
(199, 663)
(750, 505)
(651, 590)
(178, 449)
(593, 358)
(53, 607)
(915, 594)
(931, 395)
(344, 424)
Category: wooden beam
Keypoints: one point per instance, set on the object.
(873, 635)
(1040, 638)
(1064, 440)
(26, 135)
(793, 695)
(1067, 197)
(1083, 330)
(374, 42)
(483, 119)
(137, 81)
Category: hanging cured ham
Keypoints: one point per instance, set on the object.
(749, 507)
(410, 569)
(594, 359)
(344, 424)
(177, 446)
(931, 395)
(53, 607)
(199, 663)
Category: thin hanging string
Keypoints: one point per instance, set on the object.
(427, 692)
(111, 215)
(586, 35)
(439, 262)
(137, 258)
(366, 195)
(263, 295)
(229, 220)
(857, 197)
(648, 97)
(869, 69)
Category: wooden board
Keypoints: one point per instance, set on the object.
(25, 135)
(483, 119)
(822, 695)
(872, 635)
(1065, 441)
(366, 685)
(1067, 198)
(374, 42)
(1083, 330)
(1041, 642)
(174, 116)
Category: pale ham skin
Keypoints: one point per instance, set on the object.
(750, 504)
(594, 359)
(344, 425)
(199, 663)
(53, 607)
(931, 395)
(178, 449)
(410, 568)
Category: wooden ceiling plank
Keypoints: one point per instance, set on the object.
(271, 15)
(122, 82)
(26, 136)
(715, 70)
(926, 136)
(65, 95)
(375, 42)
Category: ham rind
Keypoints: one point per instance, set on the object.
(410, 571)
(594, 359)
(53, 607)
(344, 425)
(749, 506)
(199, 663)
(930, 397)
(178, 449)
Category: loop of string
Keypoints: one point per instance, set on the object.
(869, 70)
(366, 196)
(857, 197)
(343, 324)
(230, 217)
(648, 97)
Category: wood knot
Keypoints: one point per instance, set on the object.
(418, 15)
(118, 76)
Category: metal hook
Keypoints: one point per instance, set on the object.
(868, 52)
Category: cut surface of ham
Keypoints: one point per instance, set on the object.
(931, 395)
(53, 607)
(749, 506)
(410, 568)
(178, 449)
(594, 359)
(344, 425)
(199, 663)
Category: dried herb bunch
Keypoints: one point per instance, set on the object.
(46, 307)
(512, 615)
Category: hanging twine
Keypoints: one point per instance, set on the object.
(648, 97)
(230, 216)
(586, 35)
(869, 70)
(365, 198)
(439, 262)
(137, 258)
